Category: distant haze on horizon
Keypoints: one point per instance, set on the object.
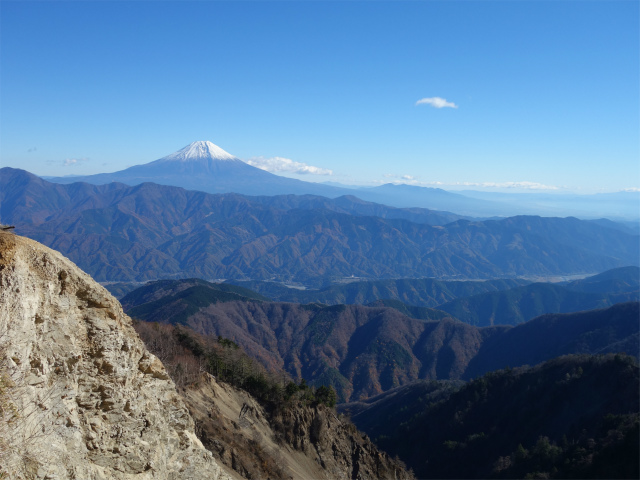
(492, 96)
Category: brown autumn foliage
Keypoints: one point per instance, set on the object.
(299, 417)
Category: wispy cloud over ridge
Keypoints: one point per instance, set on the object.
(524, 185)
(280, 164)
(411, 180)
(436, 102)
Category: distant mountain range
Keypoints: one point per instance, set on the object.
(206, 167)
(120, 233)
(615, 205)
(362, 351)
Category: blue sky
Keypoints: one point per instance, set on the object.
(541, 94)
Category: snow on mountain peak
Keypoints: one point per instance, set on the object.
(201, 150)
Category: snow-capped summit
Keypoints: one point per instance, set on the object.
(201, 150)
(208, 168)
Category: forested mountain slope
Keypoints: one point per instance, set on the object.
(151, 231)
(362, 351)
(570, 417)
(500, 302)
(617, 280)
(610, 330)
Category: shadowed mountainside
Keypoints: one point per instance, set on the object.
(570, 417)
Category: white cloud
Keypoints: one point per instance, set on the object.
(413, 180)
(69, 162)
(522, 185)
(436, 102)
(632, 189)
(408, 178)
(280, 164)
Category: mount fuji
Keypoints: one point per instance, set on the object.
(206, 167)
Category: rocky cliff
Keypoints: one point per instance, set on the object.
(82, 396)
(295, 442)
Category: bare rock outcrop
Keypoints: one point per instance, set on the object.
(92, 402)
(295, 442)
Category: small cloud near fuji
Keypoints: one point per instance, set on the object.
(406, 179)
(436, 102)
(286, 165)
(70, 162)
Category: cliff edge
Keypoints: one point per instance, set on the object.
(89, 400)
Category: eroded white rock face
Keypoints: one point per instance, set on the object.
(95, 404)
